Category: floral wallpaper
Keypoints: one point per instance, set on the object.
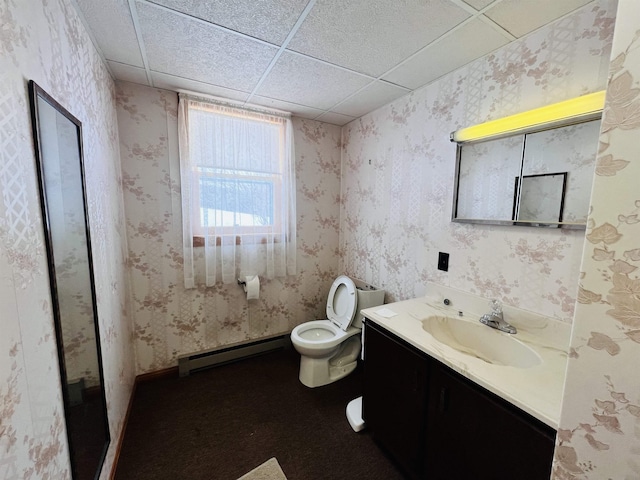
(374, 201)
(599, 435)
(46, 42)
(170, 320)
(398, 174)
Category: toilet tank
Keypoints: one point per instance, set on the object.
(368, 296)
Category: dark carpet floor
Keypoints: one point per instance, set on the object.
(222, 422)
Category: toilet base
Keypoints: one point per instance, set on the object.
(316, 372)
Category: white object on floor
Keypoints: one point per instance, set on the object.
(354, 414)
(269, 470)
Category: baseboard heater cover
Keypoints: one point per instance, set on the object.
(193, 362)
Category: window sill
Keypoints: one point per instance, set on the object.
(198, 240)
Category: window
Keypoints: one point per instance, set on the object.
(238, 190)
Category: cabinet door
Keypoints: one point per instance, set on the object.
(394, 398)
(474, 434)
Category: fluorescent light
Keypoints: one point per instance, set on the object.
(586, 107)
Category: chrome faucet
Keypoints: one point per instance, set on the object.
(495, 318)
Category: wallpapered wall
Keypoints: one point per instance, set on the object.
(171, 320)
(46, 42)
(599, 435)
(395, 204)
(398, 169)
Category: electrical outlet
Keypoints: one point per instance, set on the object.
(443, 261)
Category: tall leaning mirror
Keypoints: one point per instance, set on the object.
(58, 145)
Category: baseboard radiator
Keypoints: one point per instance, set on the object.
(194, 362)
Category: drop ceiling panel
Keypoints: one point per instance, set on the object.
(371, 36)
(462, 46)
(335, 118)
(171, 82)
(128, 73)
(368, 99)
(190, 48)
(269, 21)
(520, 17)
(112, 26)
(298, 110)
(298, 79)
(478, 4)
(346, 59)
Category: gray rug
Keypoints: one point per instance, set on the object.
(269, 470)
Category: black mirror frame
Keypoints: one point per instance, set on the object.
(36, 93)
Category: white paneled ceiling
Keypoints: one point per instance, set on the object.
(331, 60)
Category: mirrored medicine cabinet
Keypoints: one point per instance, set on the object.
(541, 177)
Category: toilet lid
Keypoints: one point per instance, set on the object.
(342, 302)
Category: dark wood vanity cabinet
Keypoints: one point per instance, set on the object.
(446, 427)
(394, 398)
(472, 433)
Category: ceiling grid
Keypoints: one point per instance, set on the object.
(329, 60)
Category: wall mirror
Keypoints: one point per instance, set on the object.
(58, 144)
(553, 171)
(551, 161)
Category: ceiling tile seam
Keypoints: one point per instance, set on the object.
(126, 64)
(92, 37)
(331, 110)
(465, 6)
(207, 23)
(143, 50)
(282, 48)
(559, 19)
(248, 37)
(179, 89)
(430, 44)
(388, 82)
(197, 81)
(226, 88)
(479, 13)
(350, 118)
(335, 65)
(474, 14)
(511, 37)
(292, 103)
(498, 28)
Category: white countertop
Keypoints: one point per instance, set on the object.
(537, 390)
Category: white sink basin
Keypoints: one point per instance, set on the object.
(481, 341)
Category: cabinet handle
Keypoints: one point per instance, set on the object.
(443, 402)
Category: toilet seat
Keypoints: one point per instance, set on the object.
(342, 302)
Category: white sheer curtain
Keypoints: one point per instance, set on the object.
(238, 192)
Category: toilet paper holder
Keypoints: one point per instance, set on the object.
(243, 282)
(251, 286)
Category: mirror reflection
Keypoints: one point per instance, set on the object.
(553, 171)
(570, 149)
(486, 171)
(59, 157)
(541, 198)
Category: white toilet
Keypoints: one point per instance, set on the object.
(330, 348)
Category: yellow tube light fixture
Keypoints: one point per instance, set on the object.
(576, 110)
